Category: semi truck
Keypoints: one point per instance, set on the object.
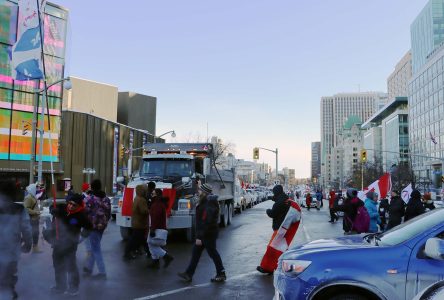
(178, 169)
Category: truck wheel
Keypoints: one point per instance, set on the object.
(224, 217)
(230, 212)
(125, 233)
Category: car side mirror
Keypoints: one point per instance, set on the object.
(435, 248)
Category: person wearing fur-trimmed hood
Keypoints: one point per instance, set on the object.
(32, 207)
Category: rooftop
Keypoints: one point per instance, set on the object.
(384, 112)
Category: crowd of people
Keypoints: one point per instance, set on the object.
(373, 215)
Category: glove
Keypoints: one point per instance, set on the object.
(152, 234)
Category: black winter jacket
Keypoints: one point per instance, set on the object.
(207, 218)
(396, 212)
(350, 209)
(414, 209)
(279, 210)
(70, 226)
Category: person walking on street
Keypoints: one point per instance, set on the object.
(308, 201)
(414, 207)
(72, 222)
(278, 213)
(15, 237)
(428, 202)
(207, 225)
(396, 210)
(139, 222)
(98, 209)
(32, 207)
(158, 231)
(350, 207)
(331, 206)
(371, 206)
(319, 197)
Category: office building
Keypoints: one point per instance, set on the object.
(336, 110)
(427, 33)
(397, 83)
(137, 110)
(315, 160)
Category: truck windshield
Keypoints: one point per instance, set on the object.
(165, 168)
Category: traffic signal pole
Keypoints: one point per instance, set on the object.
(275, 152)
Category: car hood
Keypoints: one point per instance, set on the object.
(341, 243)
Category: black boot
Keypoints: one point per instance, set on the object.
(155, 264)
(167, 260)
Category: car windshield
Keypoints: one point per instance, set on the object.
(164, 168)
(411, 228)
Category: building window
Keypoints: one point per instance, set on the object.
(355, 161)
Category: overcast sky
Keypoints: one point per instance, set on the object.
(254, 70)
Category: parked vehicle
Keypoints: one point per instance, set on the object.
(249, 198)
(254, 196)
(314, 202)
(240, 203)
(178, 169)
(393, 265)
(115, 205)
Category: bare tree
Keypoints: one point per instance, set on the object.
(402, 175)
(372, 171)
(220, 151)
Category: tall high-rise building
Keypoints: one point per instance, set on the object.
(315, 159)
(336, 110)
(398, 81)
(427, 32)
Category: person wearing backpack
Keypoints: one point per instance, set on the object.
(356, 219)
(371, 206)
(98, 208)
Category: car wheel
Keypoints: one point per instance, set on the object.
(230, 213)
(347, 296)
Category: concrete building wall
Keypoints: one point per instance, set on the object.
(373, 140)
(397, 83)
(98, 99)
(137, 110)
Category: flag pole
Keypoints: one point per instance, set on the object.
(43, 108)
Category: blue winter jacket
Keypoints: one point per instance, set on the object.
(372, 209)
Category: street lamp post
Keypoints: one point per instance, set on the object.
(41, 130)
(275, 152)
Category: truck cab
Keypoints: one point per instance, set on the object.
(178, 169)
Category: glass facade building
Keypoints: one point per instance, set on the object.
(426, 110)
(427, 32)
(16, 97)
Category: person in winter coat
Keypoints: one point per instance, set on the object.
(98, 209)
(139, 222)
(428, 202)
(396, 210)
(383, 212)
(207, 226)
(32, 207)
(319, 198)
(280, 207)
(308, 200)
(371, 205)
(350, 208)
(72, 222)
(158, 222)
(331, 205)
(414, 207)
(15, 237)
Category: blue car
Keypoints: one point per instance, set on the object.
(394, 265)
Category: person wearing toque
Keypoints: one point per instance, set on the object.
(207, 226)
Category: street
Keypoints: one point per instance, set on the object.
(241, 246)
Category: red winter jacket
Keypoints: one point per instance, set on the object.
(158, 214)
(331, 201)
(308, 200)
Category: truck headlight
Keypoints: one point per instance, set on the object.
(184, 204)
(293, 267)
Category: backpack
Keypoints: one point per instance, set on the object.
(362, 220)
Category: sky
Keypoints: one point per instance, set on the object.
(253, 70)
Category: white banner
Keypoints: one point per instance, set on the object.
(26, 56)
(405, 194)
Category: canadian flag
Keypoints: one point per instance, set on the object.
(382, 186)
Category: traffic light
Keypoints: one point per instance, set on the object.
(256, 153)
(363, 155)
(122, 151)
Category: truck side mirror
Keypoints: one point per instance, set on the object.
(207, 166)
(435, 248)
